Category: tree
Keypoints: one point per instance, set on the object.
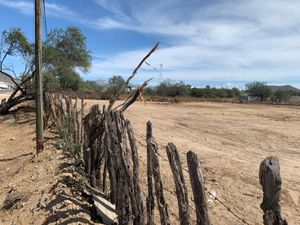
(115, 83)
(259, 89)
(64, 54)
(15, 43)
(90, 86)
(282, 96)
(171, 89)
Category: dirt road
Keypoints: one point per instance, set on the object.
(230, 139)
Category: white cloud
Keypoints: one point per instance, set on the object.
(24, 7)
(221, 40)
(27, 8)
(244, 40)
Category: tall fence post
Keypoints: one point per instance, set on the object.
(181, 190)
(269, 177)
(198, 187)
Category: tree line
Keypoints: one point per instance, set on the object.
(261, 90)
(65, 56)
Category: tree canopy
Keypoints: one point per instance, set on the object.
(115, 83)
(15, 43)
(65, 53)
(259, 89)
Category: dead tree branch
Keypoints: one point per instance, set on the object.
(114, 97)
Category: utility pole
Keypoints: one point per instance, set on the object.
(39, 77)
(160, 76)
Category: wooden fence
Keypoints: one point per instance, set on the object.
(111, 160)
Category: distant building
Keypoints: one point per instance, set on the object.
(5, 82)
(249, 98)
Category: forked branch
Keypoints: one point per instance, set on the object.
(114, 97)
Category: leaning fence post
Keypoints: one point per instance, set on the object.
(181, 191)
(198, 187)
(269, 177)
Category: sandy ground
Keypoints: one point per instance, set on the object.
(230, 139)
(37, 190)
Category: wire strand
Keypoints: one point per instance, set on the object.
(45, 19)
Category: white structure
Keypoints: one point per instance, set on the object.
(4, 85)
(5, 82)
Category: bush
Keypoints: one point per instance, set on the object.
(171, 89)
(281, 96)
(89, 87)
(208, 92)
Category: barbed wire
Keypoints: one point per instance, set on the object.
(208, 191)
(153, 67)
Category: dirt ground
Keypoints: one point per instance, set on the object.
(38, 190)
(230, 139)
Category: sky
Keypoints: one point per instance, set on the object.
(215, 42)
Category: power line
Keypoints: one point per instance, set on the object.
(148, 64)
(45, 19)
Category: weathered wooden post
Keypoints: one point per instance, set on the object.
(159, 192)
(198, 187)
(39, 77)
(150, 197)
(181, 191)
(269, 177)
(140, 217)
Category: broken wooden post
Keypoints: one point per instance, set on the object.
(269, 177)
(181, 190)
(198, 187)
(159, 192)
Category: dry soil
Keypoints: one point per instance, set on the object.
(230, 139)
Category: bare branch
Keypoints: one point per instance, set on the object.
(12, 79)
(133, 97)
(113, 98)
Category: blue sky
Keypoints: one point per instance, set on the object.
(220, 43)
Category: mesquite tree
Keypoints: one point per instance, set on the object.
(64, 53)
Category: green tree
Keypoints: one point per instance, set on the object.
(259, 89)
(15, 43)
(282, 96)
(50, 82)
(64, 53)
(171, 89)
(115, 83)
(89, 86)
